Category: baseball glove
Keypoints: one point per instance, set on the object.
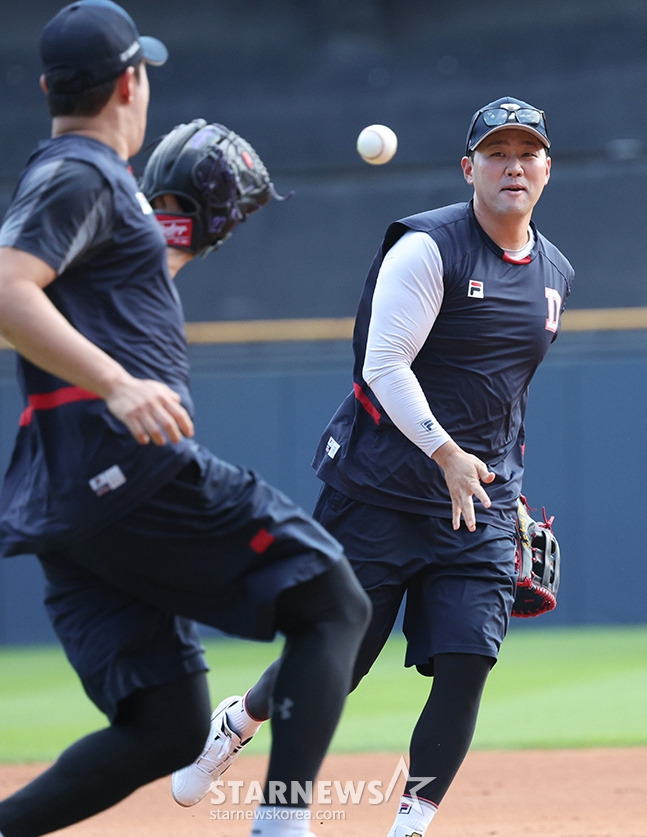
(216, 177)
(537, 561)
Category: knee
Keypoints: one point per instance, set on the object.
(353, 603)
(182, 743)
(333, 604)
(177, 736)
(462, 675)
(170, 722)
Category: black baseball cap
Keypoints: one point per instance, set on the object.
(93, 41)
(506, 112)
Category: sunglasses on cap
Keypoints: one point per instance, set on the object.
(493, 117)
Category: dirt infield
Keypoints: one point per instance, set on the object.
(563, 793)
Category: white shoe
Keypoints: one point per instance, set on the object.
(191, 784)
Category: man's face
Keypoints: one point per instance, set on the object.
(508, 171)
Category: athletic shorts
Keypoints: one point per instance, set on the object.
(459, 585)
(216, 545)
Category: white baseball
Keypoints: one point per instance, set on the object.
(377, 144)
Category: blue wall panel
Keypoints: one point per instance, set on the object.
(586, 460)
(264, 406)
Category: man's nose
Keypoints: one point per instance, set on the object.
(514, 166)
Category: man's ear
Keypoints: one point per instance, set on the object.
(43, 84)
(126, 85)
(467, 164)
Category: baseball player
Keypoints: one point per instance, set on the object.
(422, 463)
(139, 529)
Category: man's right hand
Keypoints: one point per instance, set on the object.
(464, 474)
(150, 410)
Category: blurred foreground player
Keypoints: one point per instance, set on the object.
(459, 308)
(139, 530)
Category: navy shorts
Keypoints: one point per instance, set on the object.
(459, 585)
(216, 545)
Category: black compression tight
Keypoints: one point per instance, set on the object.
(444, 731)
(324, 622)
(158, 730)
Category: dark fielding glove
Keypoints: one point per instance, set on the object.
(537, 562)
(217, 178)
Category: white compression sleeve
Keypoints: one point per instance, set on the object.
(407, 297)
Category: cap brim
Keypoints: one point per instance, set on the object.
(527, 128)
(153, 50)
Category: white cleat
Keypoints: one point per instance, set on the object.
(191, 784)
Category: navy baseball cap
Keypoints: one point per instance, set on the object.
(506, 112)
(93, 41)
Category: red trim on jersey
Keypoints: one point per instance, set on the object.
(261, 541)
(506, 258)
(49, 400)
(364, 400)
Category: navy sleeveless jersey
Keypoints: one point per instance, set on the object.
(75, 467)
(495, 325)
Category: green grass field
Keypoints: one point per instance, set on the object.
(551, 688)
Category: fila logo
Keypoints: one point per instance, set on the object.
(107, 480)
(475, 289)
(332, 447)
